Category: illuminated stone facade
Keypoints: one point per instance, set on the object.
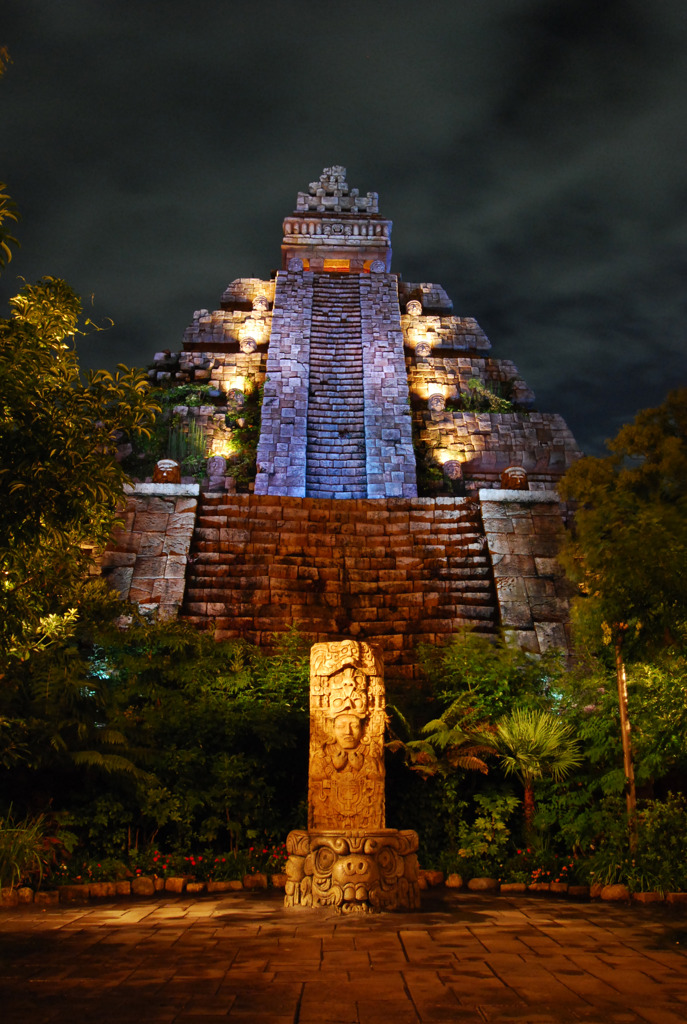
(373, 387)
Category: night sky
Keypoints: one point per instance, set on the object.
(531, 154)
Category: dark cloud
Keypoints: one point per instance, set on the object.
(531, 155)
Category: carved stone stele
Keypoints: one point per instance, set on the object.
(347, 859)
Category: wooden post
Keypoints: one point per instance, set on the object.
(628, 764)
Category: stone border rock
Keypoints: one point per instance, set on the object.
(146, 885)
(143, 885)
(616, 893)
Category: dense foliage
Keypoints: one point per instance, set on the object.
(59, 479)
(628, 551)
(134, 734)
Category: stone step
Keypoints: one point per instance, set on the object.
(419, 571)
(335, 443)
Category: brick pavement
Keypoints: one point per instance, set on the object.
(242, 958)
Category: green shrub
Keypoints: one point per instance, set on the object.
(29, 848)
(484, 842)
(658, 863)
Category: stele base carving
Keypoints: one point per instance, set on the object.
(347, 859)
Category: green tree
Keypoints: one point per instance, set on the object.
(8, 210)
(59, 478)
(628, 551)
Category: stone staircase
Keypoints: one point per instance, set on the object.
(335, 453)
(393, 571)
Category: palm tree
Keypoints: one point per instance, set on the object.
(532, 744)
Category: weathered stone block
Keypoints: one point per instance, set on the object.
(175, 567)
(175, 884)
(120, 580)
(615, 892)
(483, 884)
(46, 897)
(515, 614)
(103, 889)
(151, 522)
(550, 635)
(195, 888)
(255, 881)
(513, 888)
(142, 886)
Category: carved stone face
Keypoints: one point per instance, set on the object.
(515, 479)
(348, 731)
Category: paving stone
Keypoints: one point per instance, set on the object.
(242, 957)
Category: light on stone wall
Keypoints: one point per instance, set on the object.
(252, 330)
(223, 446)
(445, 455)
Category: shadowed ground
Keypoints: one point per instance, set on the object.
(242, 957)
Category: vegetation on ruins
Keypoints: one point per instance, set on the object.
(493, 396)
(177, 434)
(479, 397)
(244, 424)
(627, 557)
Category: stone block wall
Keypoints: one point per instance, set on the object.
(444, 333)
(388, 424)
(523, 531)
(449, 376)
(225, 370)
(433, 297)
(486, 443)
(147, 558)
(247, 292)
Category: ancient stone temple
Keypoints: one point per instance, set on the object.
(404, 485)
(347, 859)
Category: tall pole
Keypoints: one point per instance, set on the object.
(628, 764)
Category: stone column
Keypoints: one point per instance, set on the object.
(283, 433)
(348, 859)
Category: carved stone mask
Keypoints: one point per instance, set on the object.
(348, 731)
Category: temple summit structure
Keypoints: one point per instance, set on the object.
(404, 485)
